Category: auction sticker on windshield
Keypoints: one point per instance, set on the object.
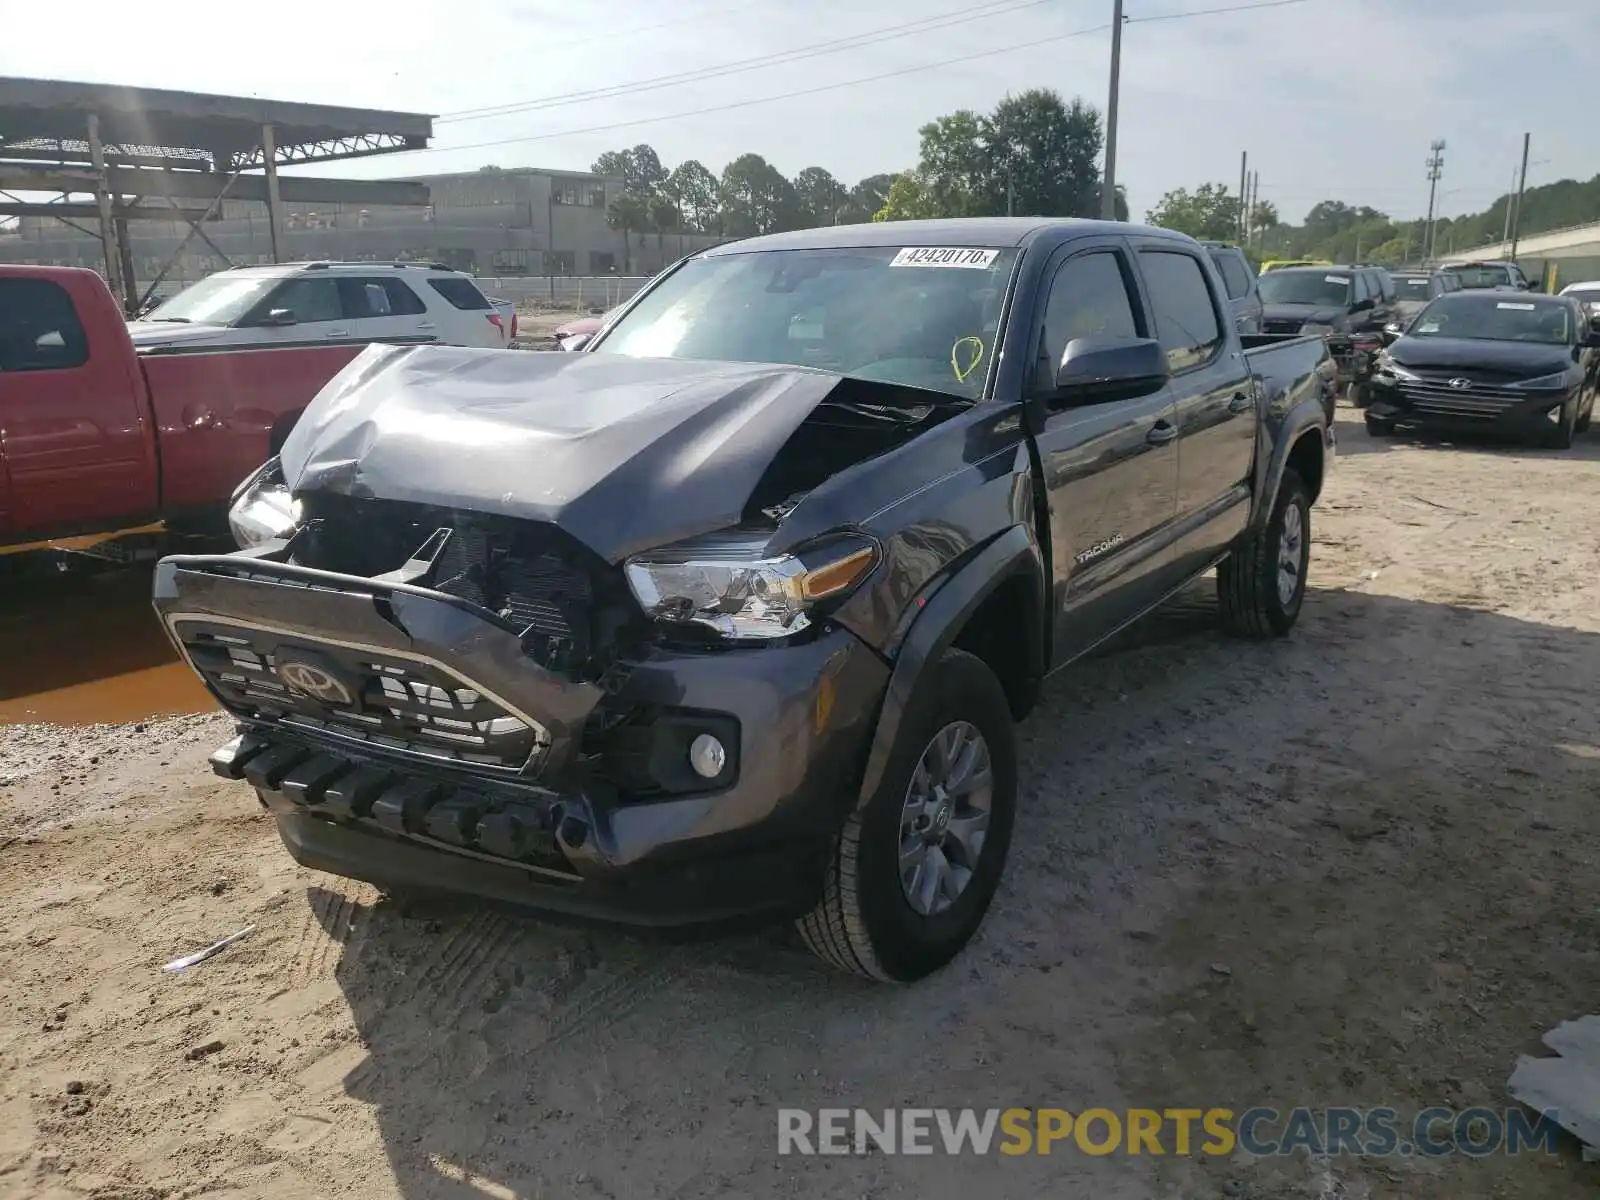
(945, 256)
(1334, 279)
(1519, 307)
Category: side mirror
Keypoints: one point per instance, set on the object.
(1097, 370)
(1366, 305)
(279, 316)
(577, 341)
(1392, 333)
(1592, 339)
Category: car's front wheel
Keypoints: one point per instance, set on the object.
(1560, 435)
(912, 873)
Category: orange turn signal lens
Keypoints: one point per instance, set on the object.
(832, 578)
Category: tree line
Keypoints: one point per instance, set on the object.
(1340, 232)
(1035, 154)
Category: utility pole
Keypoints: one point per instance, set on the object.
(1252, 198)
(1011, 192)
(1435, 166)
(1522, 184)
(1108, 193)
(1244, 182)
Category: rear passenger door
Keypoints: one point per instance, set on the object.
(1110, 468)
(389, 310)
(1214, 403)
(320, 314)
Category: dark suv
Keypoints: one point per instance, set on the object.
(1239, 281)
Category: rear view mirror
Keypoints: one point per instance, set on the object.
(1095, 370)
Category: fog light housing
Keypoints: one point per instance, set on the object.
(707, 756)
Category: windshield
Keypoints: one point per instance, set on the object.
(924, 317)
(1305, 287)
(1411, 287)
(217, 300)
(1481, 318)
(1482, 277)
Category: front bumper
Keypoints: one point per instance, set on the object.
(1480, 406)
(557, 831)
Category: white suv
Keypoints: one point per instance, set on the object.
(322, 302)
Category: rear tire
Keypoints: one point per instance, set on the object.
(891, 910)
(1379, 426)
(1262, 584)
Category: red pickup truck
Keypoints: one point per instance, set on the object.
(97, 437)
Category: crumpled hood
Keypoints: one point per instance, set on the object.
(625, 454)
(1302, 313)
(146, 334)
(1530, 359)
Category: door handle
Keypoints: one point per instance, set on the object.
(1161, 433)
(427, 325)
(1241, 402)
(337, 333)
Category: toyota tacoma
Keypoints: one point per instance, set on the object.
(730, 613)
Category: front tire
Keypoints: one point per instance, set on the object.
(1262, 584)
(1560, 437)
(912, 873)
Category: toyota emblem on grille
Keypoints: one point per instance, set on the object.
(1460, 384)
(316, 682)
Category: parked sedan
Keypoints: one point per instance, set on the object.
(1414, 289)
(1522, 362)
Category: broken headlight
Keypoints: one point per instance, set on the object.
(728, 584)
(262, 508)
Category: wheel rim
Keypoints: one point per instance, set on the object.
(1291, 548)
(945, 818)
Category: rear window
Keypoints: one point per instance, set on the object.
(462, 293)
(1234, 275)
(39, 328)
(1413, 287)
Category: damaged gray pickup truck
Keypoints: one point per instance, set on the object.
(729, 613)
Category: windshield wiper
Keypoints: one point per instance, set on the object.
(169, 320)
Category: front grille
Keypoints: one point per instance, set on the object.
(572, 610)
(1480, 402)
(1281, 325)
(384, 702)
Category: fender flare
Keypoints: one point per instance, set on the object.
(942, 615)
(1297, 422)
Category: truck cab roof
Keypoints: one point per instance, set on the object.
(959, 231)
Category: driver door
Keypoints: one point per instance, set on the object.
(320, 314)
(1110, 469)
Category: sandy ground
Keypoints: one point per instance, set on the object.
(1381, 830)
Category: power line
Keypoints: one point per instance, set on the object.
(828, 87)
(1212, 12)
(796, 54)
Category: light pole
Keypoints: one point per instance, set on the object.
(1108, 193)
(1435, 166)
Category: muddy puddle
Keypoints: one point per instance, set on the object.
(80, 644)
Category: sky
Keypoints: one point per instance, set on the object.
(1333, 99)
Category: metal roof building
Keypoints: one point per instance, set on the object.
(150, 153)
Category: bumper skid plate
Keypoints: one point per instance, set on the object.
(292, 779)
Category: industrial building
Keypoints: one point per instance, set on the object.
(163, 215)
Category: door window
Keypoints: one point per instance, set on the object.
(381, 298)
(1186, 312)
(1234, 275)
(1089, 298)
(39, 328)
(308, 299)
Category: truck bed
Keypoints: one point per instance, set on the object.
(1292, 366)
